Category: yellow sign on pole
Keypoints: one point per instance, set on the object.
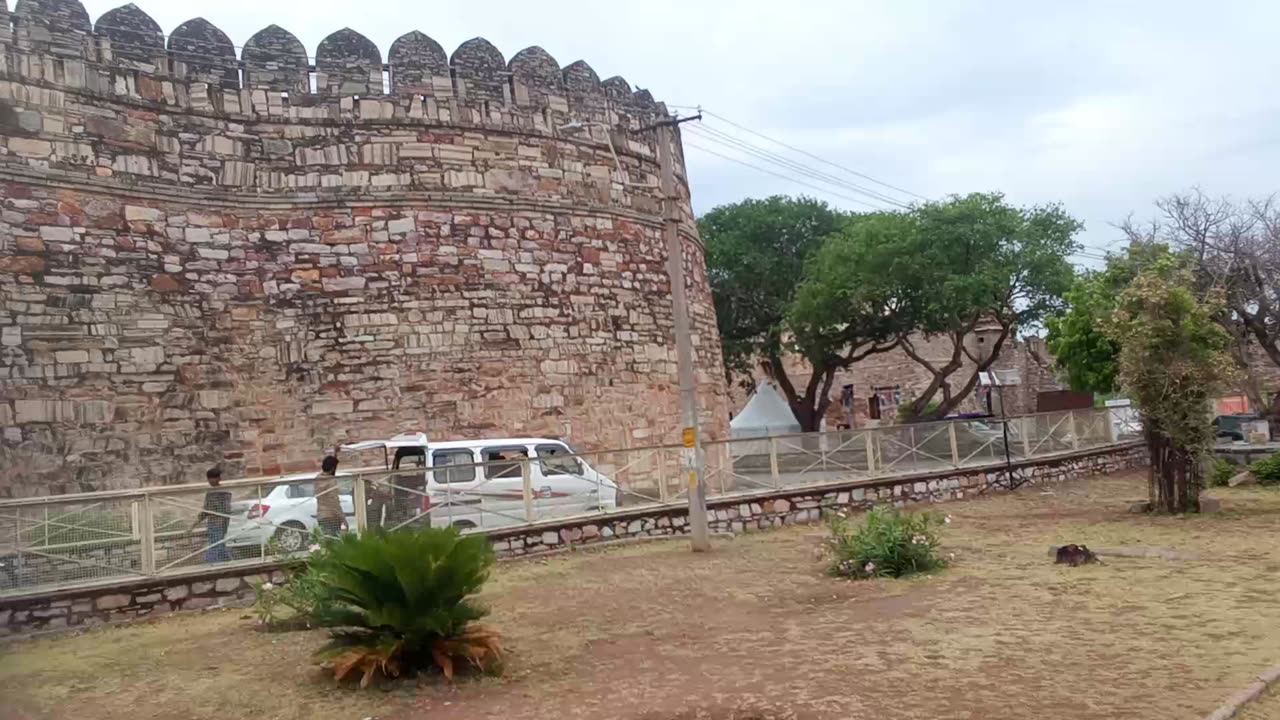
(688, 437)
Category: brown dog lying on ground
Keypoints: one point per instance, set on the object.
(1075, 555)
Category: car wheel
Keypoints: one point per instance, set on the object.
(291, 537)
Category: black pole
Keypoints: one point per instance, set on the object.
(1004, 426)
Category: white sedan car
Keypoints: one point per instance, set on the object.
(286, 516)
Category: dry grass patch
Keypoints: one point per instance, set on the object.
(755, 630)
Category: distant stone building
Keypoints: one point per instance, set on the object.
(247, 260)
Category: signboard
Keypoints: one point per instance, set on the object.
(689, 458)
(688, 437)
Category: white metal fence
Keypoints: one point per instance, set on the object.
(76, 540)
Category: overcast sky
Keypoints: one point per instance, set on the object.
(1101, 106)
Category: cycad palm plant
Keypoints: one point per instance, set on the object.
(403, 602)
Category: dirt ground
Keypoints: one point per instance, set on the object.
(755, 631)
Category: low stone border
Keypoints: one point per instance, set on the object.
(1251, 692)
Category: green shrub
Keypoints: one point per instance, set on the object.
(887, 543)
(402, 603)
(295, 604)
(1223, 471)
(1267, 470)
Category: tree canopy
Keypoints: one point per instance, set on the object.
(1082, 350)
(1173, 361)
(792, 275)
(1233, 249)
(756, 254)
(945, 269)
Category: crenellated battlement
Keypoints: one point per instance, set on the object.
(119, 102)
(54, 41)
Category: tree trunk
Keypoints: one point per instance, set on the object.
(1175, 478)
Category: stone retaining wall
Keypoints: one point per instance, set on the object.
(135, 599)
(759, 511)
(772, 508)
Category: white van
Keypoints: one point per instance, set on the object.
(479, 484)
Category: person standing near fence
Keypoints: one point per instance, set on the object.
(217, 516)
(329, 514)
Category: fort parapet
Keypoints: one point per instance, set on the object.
(248, 258)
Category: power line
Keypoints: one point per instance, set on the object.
(805, 152)
(695, 146)
(726, 140)
(787, 167)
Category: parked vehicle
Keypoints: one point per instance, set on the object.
(285, 516)
(464, 483)
(479, 483)
(1230, 428)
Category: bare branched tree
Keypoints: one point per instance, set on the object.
(1235, 252)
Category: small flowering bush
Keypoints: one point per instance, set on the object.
(887, 543)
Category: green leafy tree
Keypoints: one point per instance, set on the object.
(758, 253)
(1081, 348)
(981, 263)
(944, 269)
(1174, 359)
(848, 308)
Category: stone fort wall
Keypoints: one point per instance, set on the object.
(247, 259)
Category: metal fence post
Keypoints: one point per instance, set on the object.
(955, 446)
(600, 461)
(1071, 430)
(149, 537)
(262, 546)
(773, 463)
(360, 505)
(1028, 425)
(526, 484)
(135, 530)
(915, 455)
(1108, 417)
(871, 451)
(822, 451)
(662, 475)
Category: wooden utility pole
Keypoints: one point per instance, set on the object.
(690, 438)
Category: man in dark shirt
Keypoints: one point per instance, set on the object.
(217, 514)
(329, 515)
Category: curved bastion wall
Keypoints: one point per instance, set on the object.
(247, 259)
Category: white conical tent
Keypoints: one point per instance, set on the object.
(767, 413)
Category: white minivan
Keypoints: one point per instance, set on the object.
(479, 483)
